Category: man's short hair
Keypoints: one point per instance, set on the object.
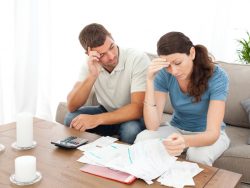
(93, 35)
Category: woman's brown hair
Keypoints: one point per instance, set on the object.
(177, 42)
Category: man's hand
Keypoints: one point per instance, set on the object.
(175, 144)
(94, 62)
(85, 121)
(156, 65)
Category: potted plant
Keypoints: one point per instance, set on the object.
(244, 51)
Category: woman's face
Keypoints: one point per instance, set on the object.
(181, 64)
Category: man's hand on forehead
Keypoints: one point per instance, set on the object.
(93, 54)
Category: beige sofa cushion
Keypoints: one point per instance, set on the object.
(237, 157)
(239, 89)
(246, 105)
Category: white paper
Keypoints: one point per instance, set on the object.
(180, 174)
(149, 159)
(146, 160)
(84, 159)
(105, 141)
(100, 142)
(104, 155)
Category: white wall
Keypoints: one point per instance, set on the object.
(139, 24)
(56, 54)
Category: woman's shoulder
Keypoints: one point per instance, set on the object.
(218, 70)
(219, 74)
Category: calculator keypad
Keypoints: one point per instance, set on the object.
(71, 142)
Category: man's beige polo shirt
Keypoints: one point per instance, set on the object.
(113, 90)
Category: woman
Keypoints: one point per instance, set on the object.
(198, 89)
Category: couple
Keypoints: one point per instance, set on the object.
(131, 90)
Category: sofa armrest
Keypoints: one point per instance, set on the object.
(62, 109)
(61, 112)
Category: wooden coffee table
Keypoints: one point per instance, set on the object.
(60, 169)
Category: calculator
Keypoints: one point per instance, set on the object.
(70, 142)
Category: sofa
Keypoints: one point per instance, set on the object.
(237, 157)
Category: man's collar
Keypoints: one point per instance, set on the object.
(120, 66)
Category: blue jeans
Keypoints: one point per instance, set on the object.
(126, 131)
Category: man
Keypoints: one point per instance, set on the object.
(117, 76)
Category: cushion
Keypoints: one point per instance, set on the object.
(61, 112)
(238, 90)
(246, 105)
(237, 157)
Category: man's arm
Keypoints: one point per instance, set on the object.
(80, 93)
(132, 111)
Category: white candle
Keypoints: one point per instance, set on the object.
(24, 130)
(25, 168)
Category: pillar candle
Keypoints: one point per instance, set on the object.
(25, 168)
(24, 130)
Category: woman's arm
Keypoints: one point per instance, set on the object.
(153, 107)
(176, 143)
(215, 117)
(154, 101)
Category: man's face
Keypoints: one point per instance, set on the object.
(108, 54)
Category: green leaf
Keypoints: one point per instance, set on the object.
(244, 50)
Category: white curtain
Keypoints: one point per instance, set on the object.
(25, 63)
(6, 60)
(40, 54)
